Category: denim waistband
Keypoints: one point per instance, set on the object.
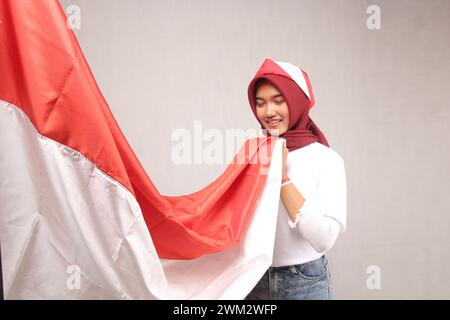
(281, 267)
(286, 267)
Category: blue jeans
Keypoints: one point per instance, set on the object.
(307, 281)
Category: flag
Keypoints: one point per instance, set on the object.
(79, 216)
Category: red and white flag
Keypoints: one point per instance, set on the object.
(79, 216)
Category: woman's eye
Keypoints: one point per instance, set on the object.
(279, 101)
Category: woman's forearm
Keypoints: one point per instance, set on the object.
(292, 199)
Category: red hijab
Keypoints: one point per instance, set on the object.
(292, 82)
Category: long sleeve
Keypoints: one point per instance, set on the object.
(323, 217)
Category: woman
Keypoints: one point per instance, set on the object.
(312, 212)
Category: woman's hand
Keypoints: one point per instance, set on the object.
(285, 155)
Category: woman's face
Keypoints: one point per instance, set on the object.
(271, 108)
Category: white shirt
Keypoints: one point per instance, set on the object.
(318, 172)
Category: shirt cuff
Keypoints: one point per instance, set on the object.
(301, 212)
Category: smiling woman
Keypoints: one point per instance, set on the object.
(271, 108)
(313, 191)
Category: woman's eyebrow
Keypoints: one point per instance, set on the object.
(272, 97)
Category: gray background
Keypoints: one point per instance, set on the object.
(382, 100)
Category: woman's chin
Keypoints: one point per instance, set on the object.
(276, 131)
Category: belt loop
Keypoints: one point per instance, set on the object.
(293, 270)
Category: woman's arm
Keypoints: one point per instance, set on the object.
(291, 197)
(320, 230)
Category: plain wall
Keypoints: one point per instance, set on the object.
(382, 100)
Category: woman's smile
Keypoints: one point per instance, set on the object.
(273, 123)
(271, 108)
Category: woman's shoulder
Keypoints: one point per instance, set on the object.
(329, 152)
(327, 156)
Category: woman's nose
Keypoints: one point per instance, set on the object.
(271, 109)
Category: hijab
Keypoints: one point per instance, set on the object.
(293, 83)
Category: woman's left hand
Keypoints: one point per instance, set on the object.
(285, 155)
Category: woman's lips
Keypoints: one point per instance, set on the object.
(273, 123)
